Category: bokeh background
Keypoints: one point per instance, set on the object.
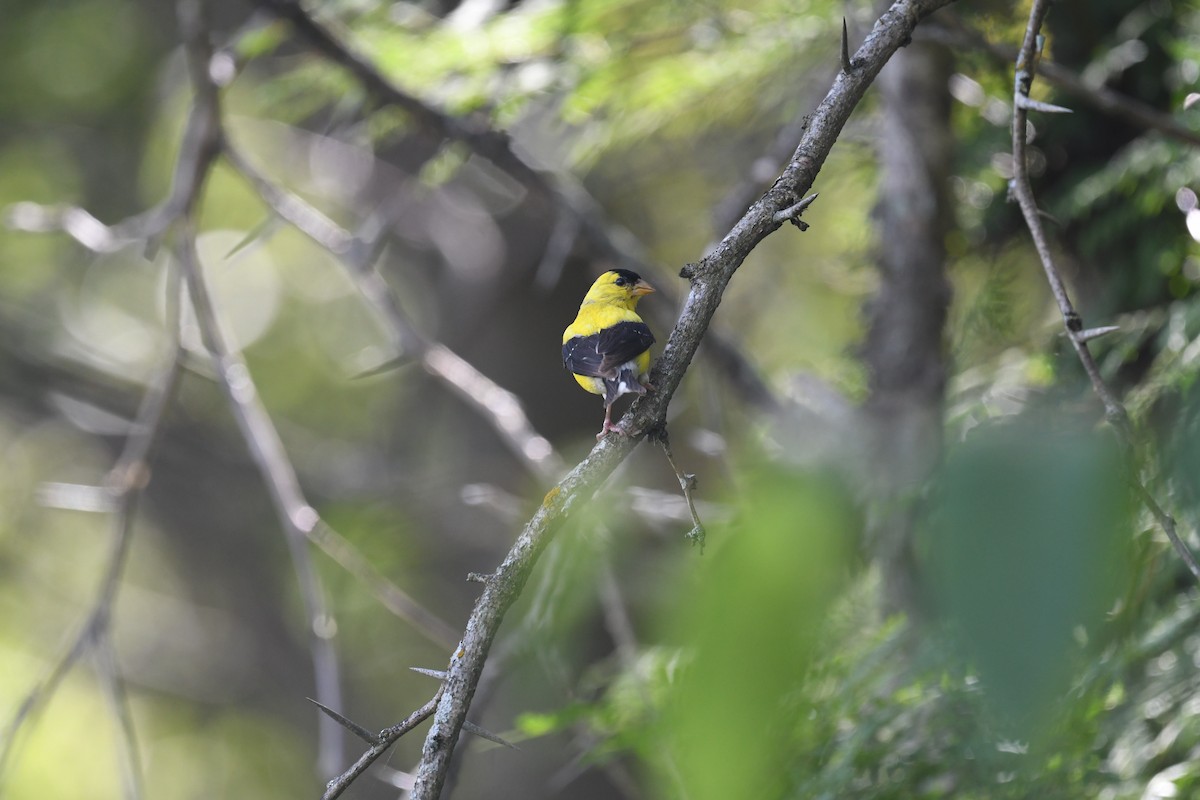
(925, 574)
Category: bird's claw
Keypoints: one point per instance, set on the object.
(611, 426)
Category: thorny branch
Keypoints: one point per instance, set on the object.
(1114, 411)
(494, 403)
(708, 278)
(387, 738)
(954, 32)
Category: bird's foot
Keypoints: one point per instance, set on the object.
(611, 426)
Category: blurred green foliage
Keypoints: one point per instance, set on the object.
(1027, 544)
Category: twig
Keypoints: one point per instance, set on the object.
(563, 236)
(1114, 411)
(109, 674)
(1099, 97)
(687, 484)
(709, 278)
(387, 737)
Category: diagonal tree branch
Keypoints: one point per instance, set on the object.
(1114, 411)
(708, 278)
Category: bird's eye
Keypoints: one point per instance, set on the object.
(621, 281)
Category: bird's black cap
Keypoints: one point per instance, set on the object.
(628, 274)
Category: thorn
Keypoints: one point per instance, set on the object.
(484, 733)
(1046, 215)
(440, 674)
(1096, 333)
(1037, 105)
(387, 366)
(847, 65)
(262, 230)
(793, 211)
(688, 482)
(478, 577)
(348, 724)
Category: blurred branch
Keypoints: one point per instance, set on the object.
(708, 278)
(201, 141)
(955, 33)
(1114, 411)
(580, 213)
(389, 595)
(296, 517)
(33, 217)
(109, 673)
(494, 403)
(126, 482)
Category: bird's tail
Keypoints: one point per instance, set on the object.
(626, 382)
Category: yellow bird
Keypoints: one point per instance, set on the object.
(607, 347)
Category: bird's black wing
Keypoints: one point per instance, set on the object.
(600, 354)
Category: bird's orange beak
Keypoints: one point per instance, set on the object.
(640, 288)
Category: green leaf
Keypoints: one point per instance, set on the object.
(1030, 528)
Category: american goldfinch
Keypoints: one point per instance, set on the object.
(607, 347)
